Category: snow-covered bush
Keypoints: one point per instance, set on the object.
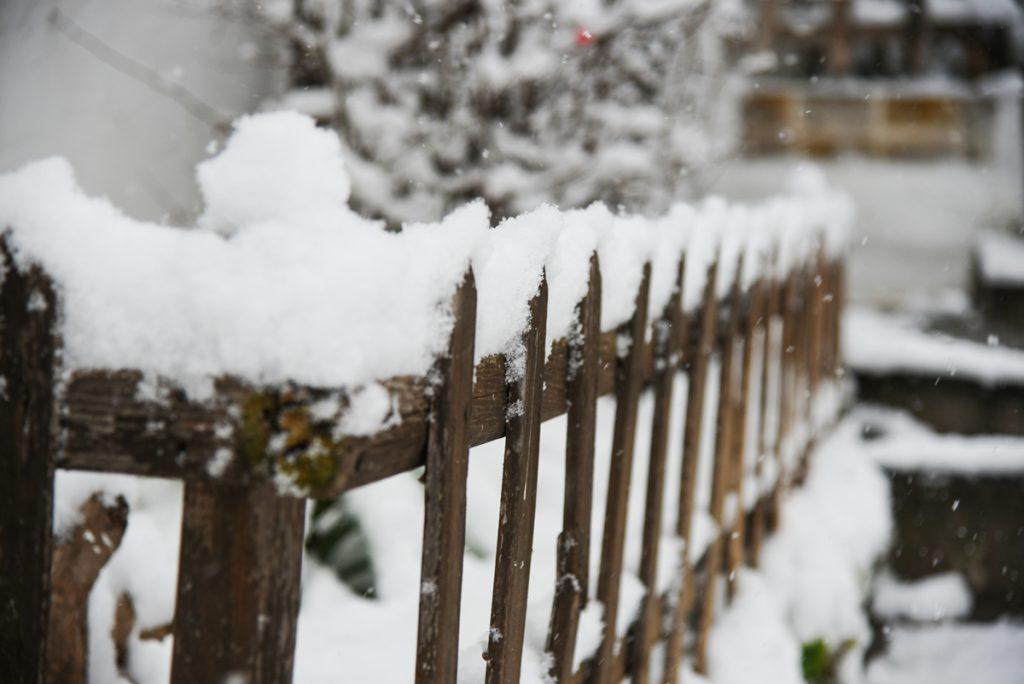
(519, 103)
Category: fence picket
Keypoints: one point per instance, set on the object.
(724, 436)
(666, 333)
(787, 391)
(573, 560)
(627, 391)
(771, 376)
(697, 358)
(28, 349)
(444, 515)
(238, 584)
(518, 504)
(737, 534)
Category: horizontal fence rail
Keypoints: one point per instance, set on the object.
(776, 341)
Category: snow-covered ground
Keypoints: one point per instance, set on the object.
(915, 221)
(815, 575)
(952, 654)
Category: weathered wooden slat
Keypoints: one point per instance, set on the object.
(737, 532)
(28, 347)
(667, 331)
(518, 504)
(787, 391)
(118, 421)
(444, 516)
(769, 393)
(239, 574)
(573, 553)
(696, 359)
(724, 439)
(78, 558)
(839, 296)
(805, 374)
(816, 315)
(627, 390)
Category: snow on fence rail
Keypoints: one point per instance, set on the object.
(544, 314)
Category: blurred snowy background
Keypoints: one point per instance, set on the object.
(918, 120)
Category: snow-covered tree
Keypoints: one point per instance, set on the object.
(517, 101)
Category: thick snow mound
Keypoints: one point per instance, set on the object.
(819, 562)
(274, 167)
(283, 281)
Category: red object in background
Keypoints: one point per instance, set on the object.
(583, 37)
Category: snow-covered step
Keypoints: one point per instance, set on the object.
(952, 653)
(958, 506)
(954, 384)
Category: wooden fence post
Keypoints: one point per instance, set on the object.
(628, 382)
(771, 380)
(574, 541)
(666, 332)
(724, 437)
(697, 360)
(28, 357)
(238, 584)
(518, 504)
(736, 543)
(787, 391)
(444, 515)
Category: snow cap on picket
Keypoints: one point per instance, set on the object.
(701, 250)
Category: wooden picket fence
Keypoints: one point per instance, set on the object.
(242, 541)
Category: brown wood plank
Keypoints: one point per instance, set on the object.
(115, 421)
(724, 440)
(805, 368)
(28, 311)
(737, 533)
(816, 315)
(839, 294)
(787, 391)
(78, 558)
(238, 584)
(769, 357)
(696, 360)
(518, 504)
(573, 554)
(444, 516)
(666, 332)
(627, 390)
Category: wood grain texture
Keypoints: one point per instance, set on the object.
(573, 553)
(787, 390)
(697, 359)
(627, 390)
(444, 516)
(735, 545)
(724, 441)
(77, 561)
(119, 421)
(666, 332)
(514, 549)
(766, 439)
(238, 584)
(28, 348)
